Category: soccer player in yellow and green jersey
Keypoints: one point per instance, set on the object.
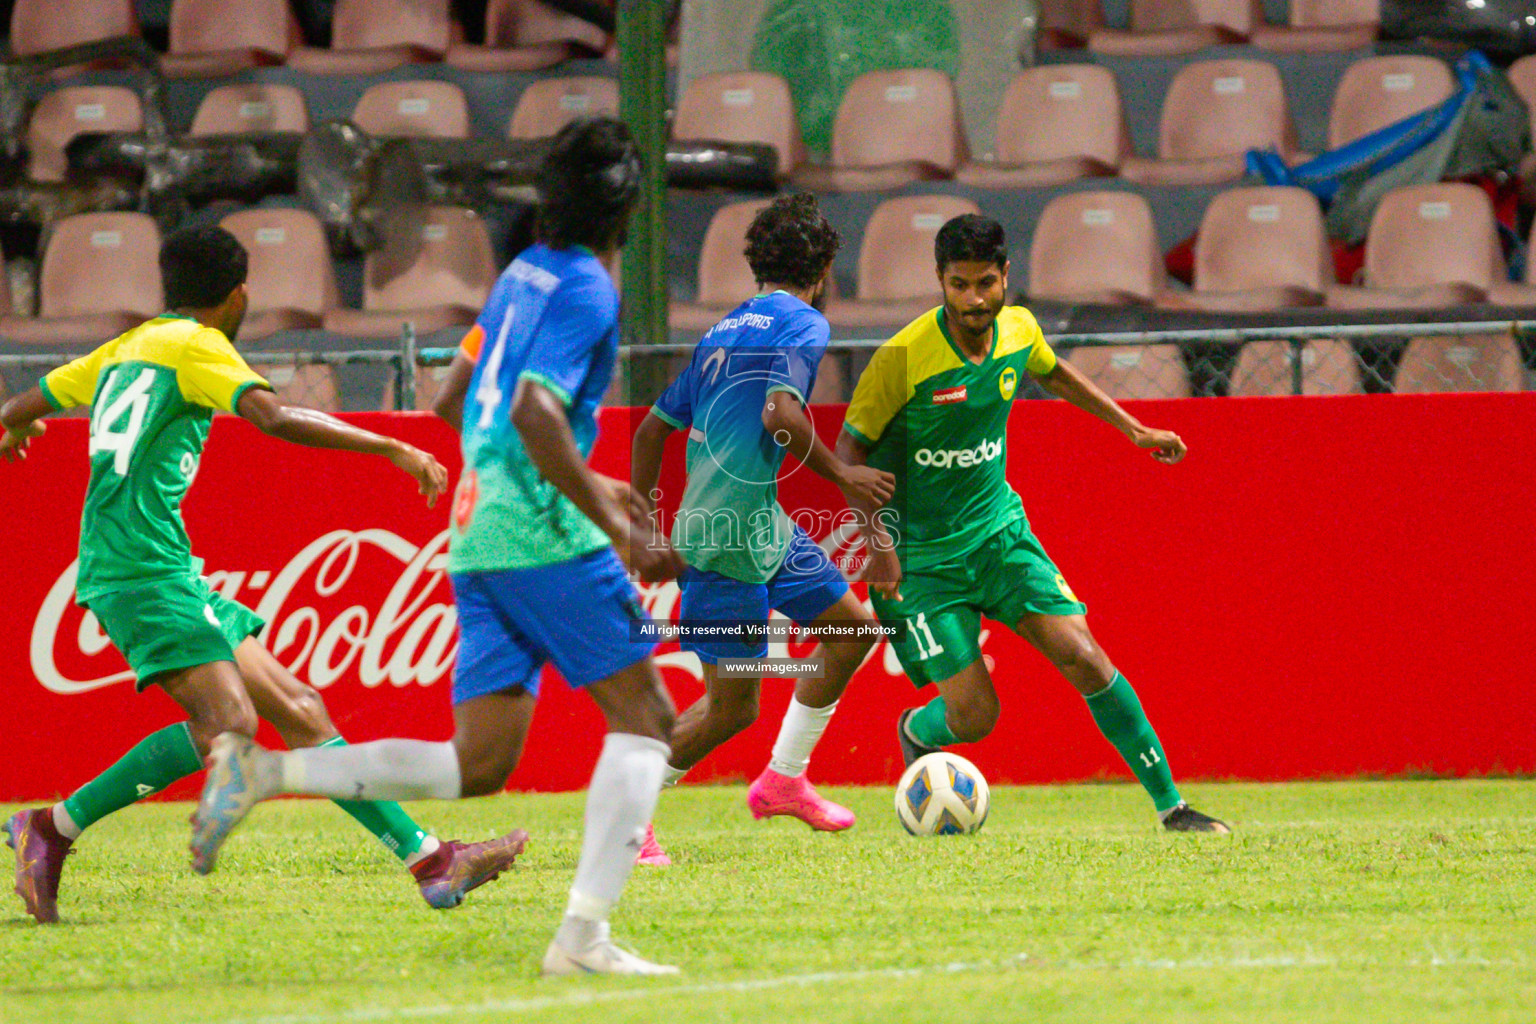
(153, 393)
(953, 544)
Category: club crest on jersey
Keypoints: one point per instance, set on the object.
(948, 396)
(1008, 381)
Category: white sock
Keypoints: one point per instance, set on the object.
(671, 777)
(620, 801)
(64, 823)
(428, 847)
(798, 735)
(381, 770)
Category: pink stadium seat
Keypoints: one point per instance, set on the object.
(432, 110)
(1323, 26)
(1096, 247)
(725, 280)
(897, 281)
(538, 24)
(255, 107)
(40, 25)
(1166, 27)
(505, 48)
(76, 110)
(742, 107)
(100, 276)
(1379, 91)
(1428, 246)
(1215, 111)
(550, 104)
(373, 36)
(216, 38)
(291, 282)
(308, 385)
(1134, 371)
(1266, 367)
(892, 128)
(1489, 363)
(439, 282)
(1057, 123)
(1067, 23)
(1261, 249)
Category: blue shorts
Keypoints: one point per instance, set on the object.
(806, 585)
(577, 614)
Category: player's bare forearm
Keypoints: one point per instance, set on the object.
(449, 403)
(21, 416)
(1066, 381)
(315, 429)
(787, 422)
(539, 416)
(645, 455)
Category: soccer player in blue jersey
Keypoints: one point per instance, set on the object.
(540, 545)
(742, 400)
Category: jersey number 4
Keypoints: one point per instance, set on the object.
(109, 431)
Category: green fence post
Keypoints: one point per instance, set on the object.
(643, 105)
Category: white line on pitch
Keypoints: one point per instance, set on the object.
(590, 998)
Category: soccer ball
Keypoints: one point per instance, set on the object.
(941, 794)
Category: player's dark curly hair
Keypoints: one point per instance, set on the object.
(970, 238)
(200, 266)
(790, 242)
(588, 183)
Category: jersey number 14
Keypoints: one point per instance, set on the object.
(116, 423)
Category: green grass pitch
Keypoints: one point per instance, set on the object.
(1360, 902)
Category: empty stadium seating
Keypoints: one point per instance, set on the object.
(291, 281)
(892, 128)
(1067, 23)
(1268, 368)
(1134, 371)
(507, 47)
(1323, 26)
(253, 107)
(310, 385)
(1056, 123)
(897, 281)
(439, 280)
(1096, 247)
(741, 107)
(1216, 111)
(413, 110)
(372, 36)
(1261, 249)
(39, 25)
(550, 104)
(100, 276)
(63, 114)
(724, 280)
(1459, 364)
(1165, 27)
(214, 38)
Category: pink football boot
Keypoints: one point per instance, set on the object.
(651, 854)
(773, 794)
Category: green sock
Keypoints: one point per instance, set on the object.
(158, 760)
(1120, 718)
(929, 726)
(388, 821)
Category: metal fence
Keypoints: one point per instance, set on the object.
(1478, 355)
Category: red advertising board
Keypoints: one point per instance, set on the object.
(1324, 587)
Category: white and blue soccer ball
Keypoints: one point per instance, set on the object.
(941, 794)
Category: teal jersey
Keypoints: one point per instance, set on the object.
(552, 319)
(729, 520)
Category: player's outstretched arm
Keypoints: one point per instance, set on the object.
(645, 453)
(449, 403)
(540, 418)
(1065, 381)
(315, 429)
(882, 571)
(22, 418)
(786, 421)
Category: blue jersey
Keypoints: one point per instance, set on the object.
(552, 318)
(730, 521)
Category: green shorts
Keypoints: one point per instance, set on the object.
(1008, 577)
(170, 625)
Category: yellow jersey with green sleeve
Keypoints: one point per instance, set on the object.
(153, 393)
(939, 422)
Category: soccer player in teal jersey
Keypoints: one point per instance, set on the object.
(932, 407)
(153, 393)
(742, 401)
(536, 574)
